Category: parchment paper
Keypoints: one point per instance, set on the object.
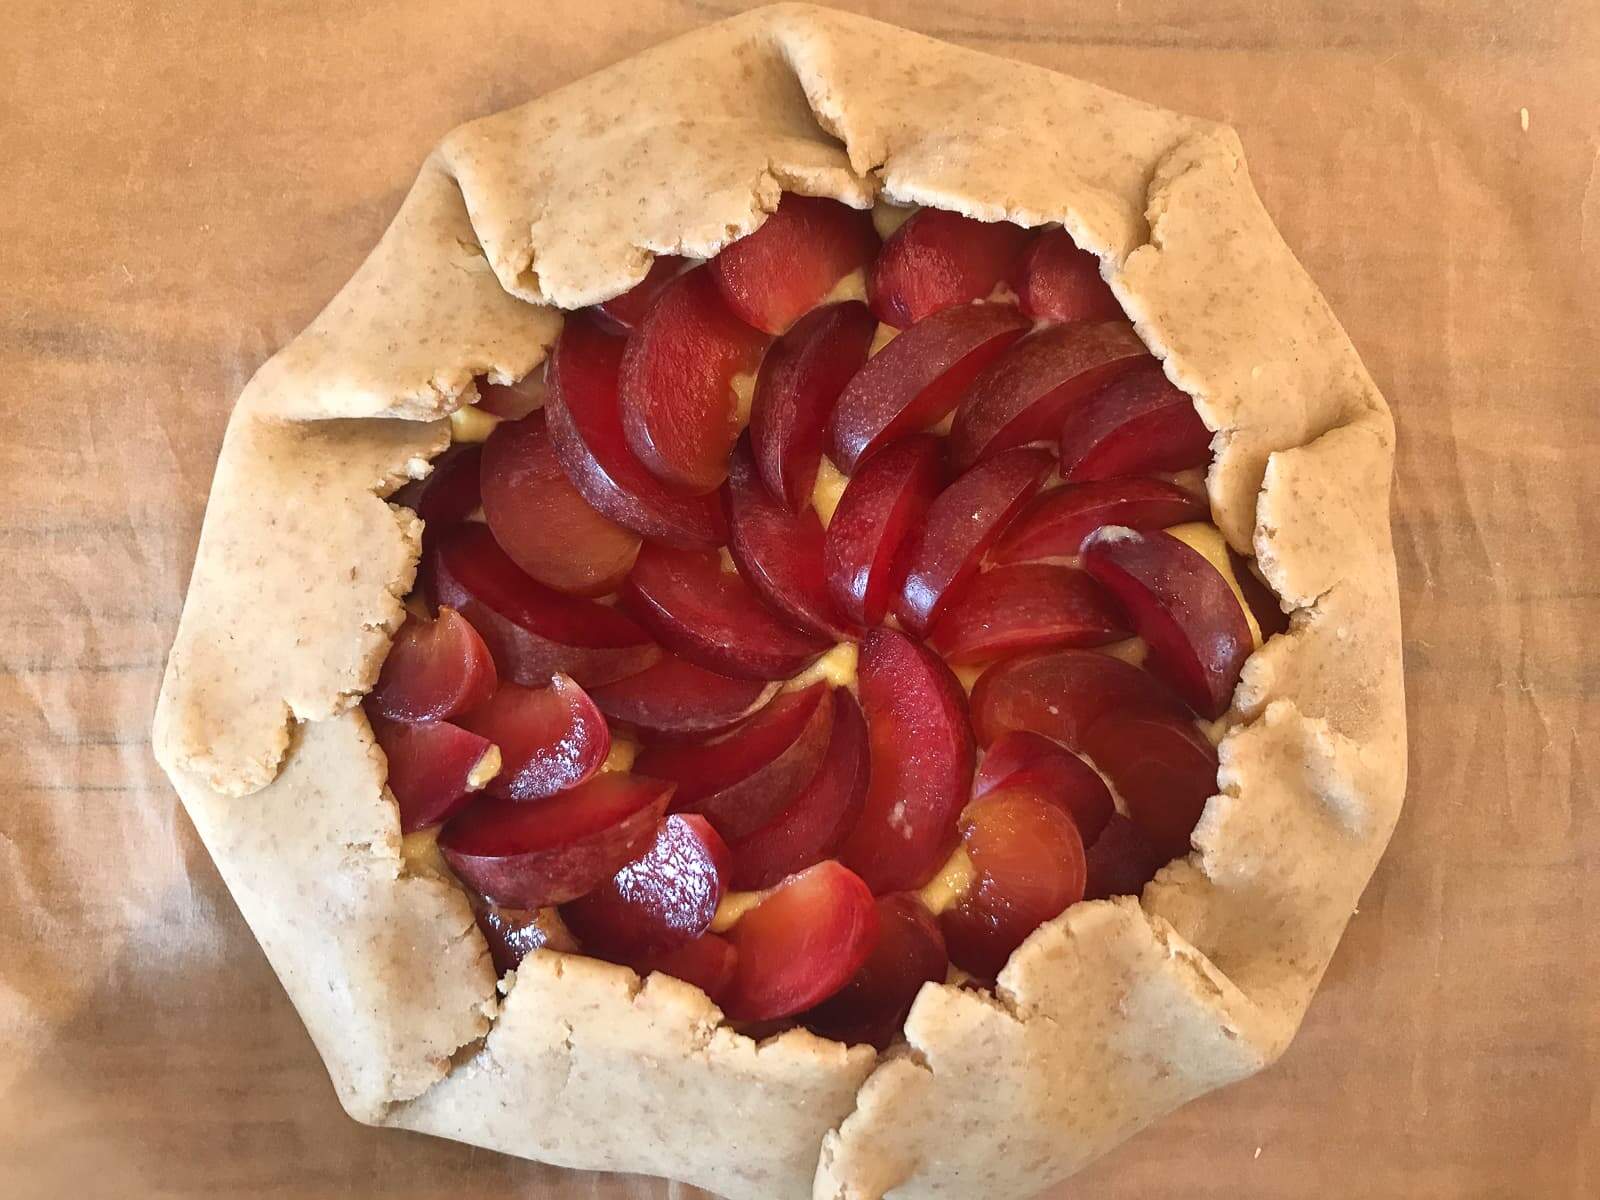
(185, 184)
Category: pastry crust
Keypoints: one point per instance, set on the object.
(1110, 1015)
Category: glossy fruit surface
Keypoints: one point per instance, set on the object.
(922, 760)
(882, 506)
(1055, 523)
(819, 818)
(708, 962)
(662, 899)
(916, 380)
(1137, 424)
(1163, 768)
(1181, 606)
(1056, 281)
(531, 630)
(1024, 608)
(775, 275)
(800, 379)
(712, 617)
(1061, 693)
(871, 1007)
(627, 310)
(961, 523)
(1024, 394)
(550, 738)
(542, 522)
(938, 259)
(432, 765)
(541, 852)
(747, 776)
(1022, 761)
(435, 669)
(513, 933)
(674, 697)
(779, 553)
(1030, 866)
(679, 410)
(585, 424)
(801, 944)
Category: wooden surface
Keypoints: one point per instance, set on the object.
(186, 183)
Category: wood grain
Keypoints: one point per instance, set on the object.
(187, 183)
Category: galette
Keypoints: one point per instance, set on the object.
(817, 619)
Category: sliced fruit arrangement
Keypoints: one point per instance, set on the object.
(918, 378)
(541, 521)
(679, 406)
(809, 659)
(937, 260)
(1029, 389)
(1056, 281)
(780, 553)
(961, 523)
(712, 617)
(800, 380)
(787, 266)
(744, 778)
(533, 631)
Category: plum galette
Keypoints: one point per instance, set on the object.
(802, 628)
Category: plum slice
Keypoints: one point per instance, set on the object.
(585, 425)
(1056, 281)
(1061, 693)
(1056, 522)
(531, 630)
(1029, 864)
(679, 410)
(801, 377)
(883, 504)
(627, 310)
(512, 401)
(434, 767)
(1026, 761)
(938, 259)
(708, 962)
(1163, 768)
(1136, 424)
(448, 494)
(662, 899)
(1122, 860)
(744, 778)
(550, 738)
(910, 952)
(775, 275)
(711, 617)
(915, 381)
(676, 698)
(1024, 394)
(435, 669)
(801, 944)
(779, 552)
(542, 522)
(1022, 608)
(1181, 605)
(922, 759)
(816, 823)
(529, 854)
(961, 523)
(513, 933)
